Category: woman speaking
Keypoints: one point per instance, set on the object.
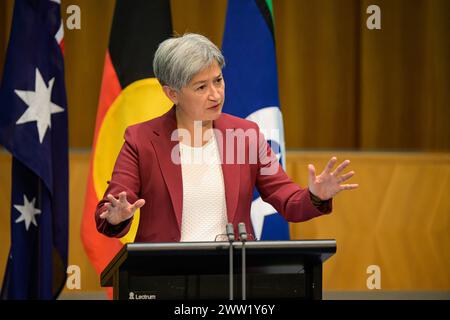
(193, 170)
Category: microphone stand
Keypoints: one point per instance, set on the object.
(243, 237)
(231, 238)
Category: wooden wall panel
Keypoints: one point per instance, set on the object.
(317, 55)
(399, 219)
(405, 75)
(200, 16)
(84, 56)
(5, 210)
(6, 8)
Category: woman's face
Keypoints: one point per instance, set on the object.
(203, 97)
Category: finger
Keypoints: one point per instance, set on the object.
(123, 197)
(311, 174)
(330, 165)
(349, 186)
(105, 213)
(114, 202)
(341, 167)
(138, 204)
(346, 176)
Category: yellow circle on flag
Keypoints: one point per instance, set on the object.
(140, 101)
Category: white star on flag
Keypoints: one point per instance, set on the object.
(258, 212)
(40, 107)
(27, 212)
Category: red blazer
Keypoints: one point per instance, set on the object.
(144, 169)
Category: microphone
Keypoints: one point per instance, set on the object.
(243, 237)
(230, 232)
(242, 232)
(231, 238)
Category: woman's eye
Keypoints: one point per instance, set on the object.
(201, 87)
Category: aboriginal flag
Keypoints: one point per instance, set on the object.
(130, 93)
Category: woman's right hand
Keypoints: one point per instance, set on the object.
(119, 210)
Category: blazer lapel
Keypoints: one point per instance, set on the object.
(231, 171)
(171, 171)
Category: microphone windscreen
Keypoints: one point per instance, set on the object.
(242, 231)
(230, 231)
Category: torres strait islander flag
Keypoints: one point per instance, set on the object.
(130, 93)
(252, 91)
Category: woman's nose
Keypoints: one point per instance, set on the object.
(214, 93)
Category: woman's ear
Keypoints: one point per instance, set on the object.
(172, 94)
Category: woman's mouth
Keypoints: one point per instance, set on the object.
(214, 107)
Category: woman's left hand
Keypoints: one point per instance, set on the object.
(328, 184)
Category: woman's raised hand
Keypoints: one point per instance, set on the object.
(329, 183)
(119, 210)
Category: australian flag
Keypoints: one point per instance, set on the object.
(33, 127)
(252, 91)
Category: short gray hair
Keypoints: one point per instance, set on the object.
(178, 59)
